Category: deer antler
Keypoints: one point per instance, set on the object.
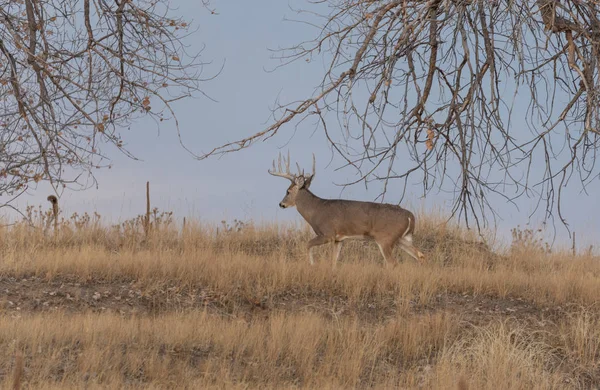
(300, 171)
(288, 174)
(313, 170)
(279, 172)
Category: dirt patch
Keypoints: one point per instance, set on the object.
(478, 309)
(34, 294)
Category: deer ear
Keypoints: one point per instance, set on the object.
(299, 181)
(308, 181)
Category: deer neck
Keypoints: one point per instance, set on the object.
(307, 204)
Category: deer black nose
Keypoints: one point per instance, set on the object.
(281, 205)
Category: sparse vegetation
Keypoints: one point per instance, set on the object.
(99, 306)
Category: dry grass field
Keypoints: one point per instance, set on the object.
(98, 306)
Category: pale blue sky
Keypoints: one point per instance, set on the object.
(237, 185)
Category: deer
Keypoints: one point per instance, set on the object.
(335, 220)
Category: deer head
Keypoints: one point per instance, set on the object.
(301, 181)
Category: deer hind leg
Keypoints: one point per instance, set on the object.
(407, 246)
(318, 240)
(386, 251)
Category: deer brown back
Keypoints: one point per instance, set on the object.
(339, 219)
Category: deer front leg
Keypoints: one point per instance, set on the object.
(337, 247)
(318, 240)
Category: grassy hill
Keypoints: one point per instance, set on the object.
(97, 306)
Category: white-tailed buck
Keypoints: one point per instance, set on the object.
(335, 220)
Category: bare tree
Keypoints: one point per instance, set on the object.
(74, 73)
(441, 81)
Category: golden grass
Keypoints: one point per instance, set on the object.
(280, 350)
(467, 318)
(270, 262)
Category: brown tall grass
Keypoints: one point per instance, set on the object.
(261, 316)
